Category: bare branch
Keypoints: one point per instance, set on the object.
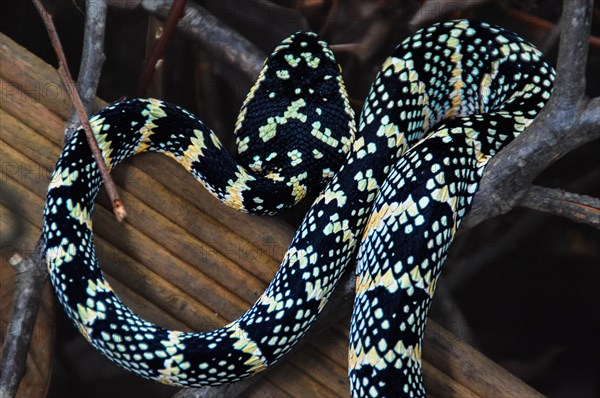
(92, 59)
(158, 51)
(579, 208)
(30, 279)
(63, 70)
(568, 121)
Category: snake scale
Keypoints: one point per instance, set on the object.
(391, 196)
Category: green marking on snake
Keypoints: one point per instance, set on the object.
(269, 130)
(391, 198)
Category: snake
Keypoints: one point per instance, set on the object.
(390, 194)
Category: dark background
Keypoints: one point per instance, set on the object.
(523, 288)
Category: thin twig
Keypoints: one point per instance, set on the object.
(377, 30)
(92, 59)
(158, 51)
(330, 18)
(579, 208)
(551, 39)
(218, 39)
(370, 43)
(30, 279)
(65, 75)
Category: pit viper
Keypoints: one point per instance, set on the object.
(391, 195)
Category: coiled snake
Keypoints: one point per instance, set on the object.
(448, 99)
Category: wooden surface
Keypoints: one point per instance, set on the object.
(184, 260)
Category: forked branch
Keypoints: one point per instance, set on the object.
(569, 120)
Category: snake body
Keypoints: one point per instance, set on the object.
(481, 86)
(448, 99)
